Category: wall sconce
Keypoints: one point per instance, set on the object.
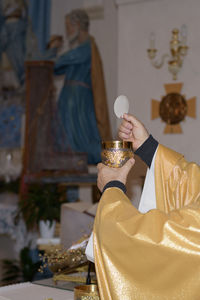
(178, 49)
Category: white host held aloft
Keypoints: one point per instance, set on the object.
(121, 106)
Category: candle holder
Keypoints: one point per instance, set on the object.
(116, 153)
(178, 51)
(86, 292)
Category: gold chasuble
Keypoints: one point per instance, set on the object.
(155, 255)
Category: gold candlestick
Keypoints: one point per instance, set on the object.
(86, 292)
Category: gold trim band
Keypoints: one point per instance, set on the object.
(116, 145)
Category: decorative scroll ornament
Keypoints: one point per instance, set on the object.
(173, 108)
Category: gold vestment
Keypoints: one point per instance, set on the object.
(155, 255)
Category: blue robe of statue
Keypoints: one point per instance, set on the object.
(75, 103)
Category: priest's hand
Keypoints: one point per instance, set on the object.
(133, 130)
(107, 174)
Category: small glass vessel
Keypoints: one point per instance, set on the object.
(116, 153)
(86, 292)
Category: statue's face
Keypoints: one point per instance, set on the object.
(71, 29)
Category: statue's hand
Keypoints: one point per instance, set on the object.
(56, 41)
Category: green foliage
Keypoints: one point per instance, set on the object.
(15, 271)
(28, 267)
(42, 202)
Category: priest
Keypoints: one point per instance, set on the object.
(153, 252)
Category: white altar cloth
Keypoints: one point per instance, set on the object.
(30, 291)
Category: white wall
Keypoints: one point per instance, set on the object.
(141, 82)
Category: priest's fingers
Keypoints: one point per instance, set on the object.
(99, 166)
(131, 119)
(125, 129)
(125, 136)
(136, 124)
(126, 124)
(125, 170)
(139, 132)
(107, 174)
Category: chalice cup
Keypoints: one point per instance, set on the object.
(116, 153)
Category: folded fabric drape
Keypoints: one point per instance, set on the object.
(154, 255)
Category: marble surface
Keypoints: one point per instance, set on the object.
(31, 291)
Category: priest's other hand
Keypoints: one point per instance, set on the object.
(107, 174)
(133, 130)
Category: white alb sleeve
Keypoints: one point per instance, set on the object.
(148, 197)
(89, 249)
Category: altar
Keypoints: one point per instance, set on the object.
(32, 291)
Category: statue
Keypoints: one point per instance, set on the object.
(82, 104)
(13, 27)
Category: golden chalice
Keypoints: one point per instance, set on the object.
(116, 153)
